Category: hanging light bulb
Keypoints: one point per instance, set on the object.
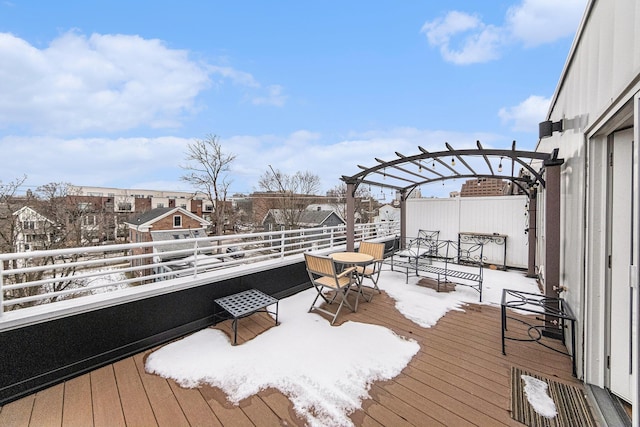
(433, 164)
(453, 161)
(500, 165)
(419, 167)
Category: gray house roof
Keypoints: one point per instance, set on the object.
(315, 218)
(308, 218)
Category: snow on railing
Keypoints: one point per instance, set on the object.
(42, 277)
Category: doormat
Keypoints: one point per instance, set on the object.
(570, 403)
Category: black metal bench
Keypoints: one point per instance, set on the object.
(245, 304)
(444, 259)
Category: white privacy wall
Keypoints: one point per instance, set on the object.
(501, 215)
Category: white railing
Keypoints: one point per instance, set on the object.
(41, 277)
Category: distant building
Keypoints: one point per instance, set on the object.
(482, 187)
(388, 213)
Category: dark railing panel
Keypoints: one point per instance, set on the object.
(39, 355)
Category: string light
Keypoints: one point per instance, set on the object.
(500, 165)
(453, 161)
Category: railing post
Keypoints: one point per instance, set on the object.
(282, 242)
(195, 259)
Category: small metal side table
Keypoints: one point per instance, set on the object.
(244, 304)
(538, 304)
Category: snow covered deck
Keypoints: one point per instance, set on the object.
(457, 375)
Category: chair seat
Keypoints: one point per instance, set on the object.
(366, 271)
(331, 281)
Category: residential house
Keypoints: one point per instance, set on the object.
(161, 225)
(388, 213)
(32, 230)
(276, 220)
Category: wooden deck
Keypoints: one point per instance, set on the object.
(458, 378)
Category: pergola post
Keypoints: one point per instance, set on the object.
(531, 232)
(403, 218)
(552, 241)
(552, 228)
(351, 212)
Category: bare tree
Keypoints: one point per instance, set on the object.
(52, 221)
(292, 193)
(10, 203)
(206, 172)
(364, 206)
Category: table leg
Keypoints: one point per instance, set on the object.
(234, 326)
(504, 326)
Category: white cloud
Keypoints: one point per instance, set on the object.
(237, 77)
(103, 83)
(125, 162)
(155, 162)
(525, 116)
(464, 38)
(79, 85)
(274, 97)
(477, 42)
(537, 22)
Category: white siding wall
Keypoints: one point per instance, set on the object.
(501, 215)
(600, 78)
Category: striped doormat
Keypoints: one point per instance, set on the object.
(571, 405)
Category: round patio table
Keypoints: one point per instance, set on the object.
(353, 258)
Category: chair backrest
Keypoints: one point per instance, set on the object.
(376, 250)
(321, 265)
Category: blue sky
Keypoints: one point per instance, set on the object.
(110, 93)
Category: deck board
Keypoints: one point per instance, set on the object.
(77, 408)
(107, 408)
(135, 403)
(18, 413)
(47, 408)
(194, 406)
(458, 377)
(282, 407)
(165, 406)
(228, 414)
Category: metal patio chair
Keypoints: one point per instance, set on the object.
(371, 271)
(323, 276)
